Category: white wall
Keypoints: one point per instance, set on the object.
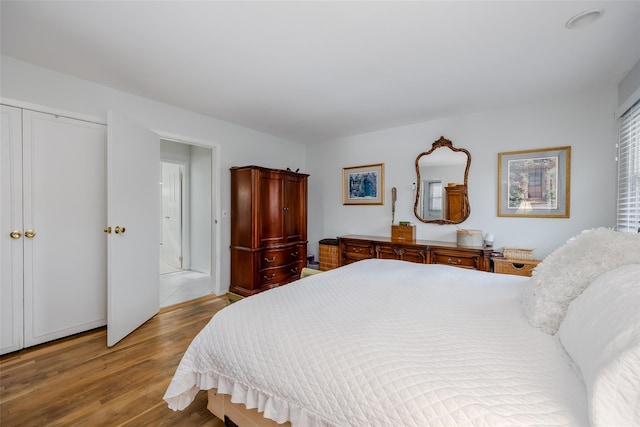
(237, 145)
(584, 121)
(200, 230)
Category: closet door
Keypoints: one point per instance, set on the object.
(64, 211)
(134, 206)
(11, 226)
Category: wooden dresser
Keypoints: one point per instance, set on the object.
(268, 228)
(355, 248)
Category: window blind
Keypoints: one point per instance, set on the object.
(629, 171)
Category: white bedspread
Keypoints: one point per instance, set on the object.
(386, 343)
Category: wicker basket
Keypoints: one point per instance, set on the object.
(328, 254)
(517, 253)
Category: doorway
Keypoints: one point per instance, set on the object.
(185, 222)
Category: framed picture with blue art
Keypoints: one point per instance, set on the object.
(363, 185)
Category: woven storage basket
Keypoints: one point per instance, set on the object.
(328, 254)
(517, 253)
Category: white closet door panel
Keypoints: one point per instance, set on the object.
(65, 204)
(133, 203)
(11, 304)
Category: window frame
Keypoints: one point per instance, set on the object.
(628, 173)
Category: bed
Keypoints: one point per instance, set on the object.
(393, 343)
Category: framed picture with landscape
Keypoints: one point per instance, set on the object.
(363, 185)
(535, 183)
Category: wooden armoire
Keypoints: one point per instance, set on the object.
(455, 202)
(268, 228)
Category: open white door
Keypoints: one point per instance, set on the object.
(171, 242)
(133, 158)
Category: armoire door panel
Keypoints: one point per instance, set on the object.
(271, 209)
(242, 201)
(295, 202)
(65, 206)
(11, 249)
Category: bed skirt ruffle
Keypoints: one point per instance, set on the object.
(183, 390)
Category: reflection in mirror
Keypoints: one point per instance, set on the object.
(441, 195)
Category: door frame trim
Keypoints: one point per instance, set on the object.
(216, 155)
(55, 111)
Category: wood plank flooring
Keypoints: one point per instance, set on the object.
(79, 381)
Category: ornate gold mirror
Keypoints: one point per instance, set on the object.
(441, 193)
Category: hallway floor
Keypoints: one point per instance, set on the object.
(183, 285)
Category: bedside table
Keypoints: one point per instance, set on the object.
(519, 267)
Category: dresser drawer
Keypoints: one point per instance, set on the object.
(457, 259)
(353, 251)
(278, 257)
(355, 248)
(404, 253)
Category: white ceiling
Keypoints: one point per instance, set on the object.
(312, 71)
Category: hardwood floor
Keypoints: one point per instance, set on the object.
(79, 381)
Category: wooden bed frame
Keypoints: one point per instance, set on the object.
(236, 414)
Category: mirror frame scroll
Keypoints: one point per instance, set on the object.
(442, 143)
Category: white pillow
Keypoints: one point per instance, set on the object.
(601, 333)
(568, 270)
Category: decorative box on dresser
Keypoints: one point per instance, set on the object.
(355, 248)
(268, 228)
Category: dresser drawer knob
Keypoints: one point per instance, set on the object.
(452, 262)
(269, 259)
(294, 270)
(269, 277)
(294, 254)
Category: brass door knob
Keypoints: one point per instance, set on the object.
(30, 234)
(107, 230)
(119, 230)
(15, 234)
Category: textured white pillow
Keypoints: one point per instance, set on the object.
(568, 270)
(601, 333)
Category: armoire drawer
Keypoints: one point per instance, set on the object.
(275, 276)
(278, 257)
